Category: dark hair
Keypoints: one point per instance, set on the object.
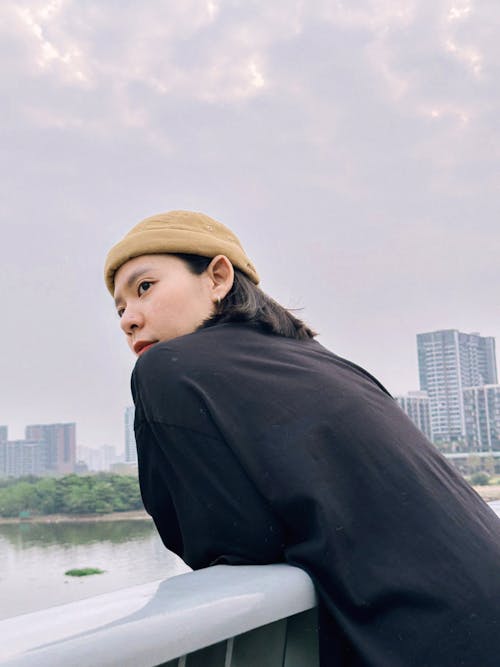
(245, 302)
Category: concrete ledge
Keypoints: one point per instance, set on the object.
(149, 624)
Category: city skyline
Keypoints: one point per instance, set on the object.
(450, 361)
(409, 399)
(45, 449)
(458, 404)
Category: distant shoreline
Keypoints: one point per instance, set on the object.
(487, 493)
(133, 515)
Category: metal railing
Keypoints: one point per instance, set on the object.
(223, 616)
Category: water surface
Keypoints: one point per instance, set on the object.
(34, 558)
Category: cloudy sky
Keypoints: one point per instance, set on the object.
(353, 146)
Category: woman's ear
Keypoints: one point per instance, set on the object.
(221, 273)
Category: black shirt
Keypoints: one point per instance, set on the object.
(255, 448)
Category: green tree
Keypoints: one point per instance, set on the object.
(71, 494)
(20, 497)
(480, 478)
(46, 495)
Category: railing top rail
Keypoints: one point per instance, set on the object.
(152, 623)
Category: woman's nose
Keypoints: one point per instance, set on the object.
(130, 320)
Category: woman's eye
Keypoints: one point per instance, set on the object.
(120, 312)
(144, 286)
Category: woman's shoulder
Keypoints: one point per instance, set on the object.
(181, 356)
(232, 343)
(170, 377)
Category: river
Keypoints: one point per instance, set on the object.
(34, 558)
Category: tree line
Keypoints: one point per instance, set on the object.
(71, 494)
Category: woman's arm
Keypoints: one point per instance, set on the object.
(204, 506)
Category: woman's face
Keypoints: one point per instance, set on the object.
(158, 298)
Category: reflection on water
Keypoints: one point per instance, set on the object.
(26, 535)
(34, 558)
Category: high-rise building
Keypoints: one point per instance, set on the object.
(450, 361)
(97, 459)
(23, 457)
(416, 404)
(482, 418)
(4, 433)
(109, 456)
(3, 459)
(61, 444)
(130, 446)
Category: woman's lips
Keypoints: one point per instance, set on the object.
(141, 346)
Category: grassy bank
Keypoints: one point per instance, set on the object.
(488, 493)
(106, 497)
(134, 515)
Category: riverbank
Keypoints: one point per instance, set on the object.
(487, 493)
(135, 515)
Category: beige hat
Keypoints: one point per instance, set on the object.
(178, 232)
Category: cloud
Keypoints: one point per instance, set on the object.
(336, 83)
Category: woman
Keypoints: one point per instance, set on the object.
(258, 445)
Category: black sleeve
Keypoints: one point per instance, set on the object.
(203, 504)
(153, 481)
